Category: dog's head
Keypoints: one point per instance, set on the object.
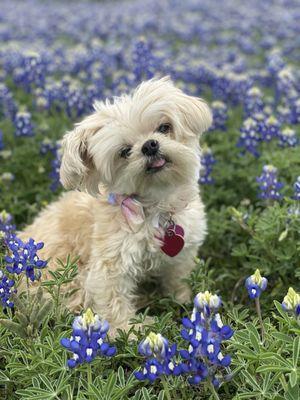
(144, 143)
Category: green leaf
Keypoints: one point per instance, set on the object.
(3, 377)
(161, 395)
(293, 378)
(250, 379)
(272, 368)
(254, 342)
(44, 311)
(13, 327)
(145, 393)
(121, 376)
(292, 393)
(296, 351)
(22, 318)
(110, 384)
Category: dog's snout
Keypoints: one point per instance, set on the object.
(150, 148)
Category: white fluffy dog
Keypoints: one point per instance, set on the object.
(139, 213)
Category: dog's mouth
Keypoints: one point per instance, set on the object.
(156, 164)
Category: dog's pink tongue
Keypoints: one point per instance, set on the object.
(158, 163)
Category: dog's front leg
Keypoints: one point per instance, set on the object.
(110, 293)
(175, 275)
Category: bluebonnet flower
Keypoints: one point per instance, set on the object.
(159, 358)
(294, 105)
(143, 60)
(205, 332)
(24, 258)
(8, 106)
(286, 80)
(31, 71)
(6, 226)
(297, 189)
(48, 146)
(288, 138)
(220, 115)
(88, 339)
(256, 284)
(249, 138)
(207, 161)
(6, 290)
(1, 140)
(23, 125)
(275, 61)
(55, 167)
(253, 101)
(268, 184)
(269, 128)
(291, 302)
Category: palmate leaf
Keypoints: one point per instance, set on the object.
(36, 394)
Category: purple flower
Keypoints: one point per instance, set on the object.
(23, 258)
(1, 140)
(88, 339)
(288, 138)
(55, 167)
(23, 125)
(159, 358)
(205, 333)
(291, 302)
(249, 137)
(297, 189)
(207, 161)
(6, 226)
(220, 116)
(253, 102)
(6, 290)
(256, 284)
(268, 184)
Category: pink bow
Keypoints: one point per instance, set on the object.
(131, 208)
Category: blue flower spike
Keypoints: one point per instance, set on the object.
(6, 290)
(88, 339)
(291, 302)
(23, 257)
(159, 358)
(205, 333)
(269, 185)
(256, 284)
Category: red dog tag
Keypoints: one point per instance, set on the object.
(173, 240)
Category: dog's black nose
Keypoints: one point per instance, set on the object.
(150, 148)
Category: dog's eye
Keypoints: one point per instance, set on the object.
(164, 128)
(125, 152)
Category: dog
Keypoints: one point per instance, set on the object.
(135, 210)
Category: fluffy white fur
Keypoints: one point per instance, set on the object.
(113, 259)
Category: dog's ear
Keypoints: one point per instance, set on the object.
(197, 115)
(77, 169)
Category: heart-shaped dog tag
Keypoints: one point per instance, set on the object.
(173, 240)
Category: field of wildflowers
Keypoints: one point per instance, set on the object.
(240, 338)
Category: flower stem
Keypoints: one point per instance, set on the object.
(258, 310)
(166, 388)
(89, 375)
(213, 390)
(28, 292)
